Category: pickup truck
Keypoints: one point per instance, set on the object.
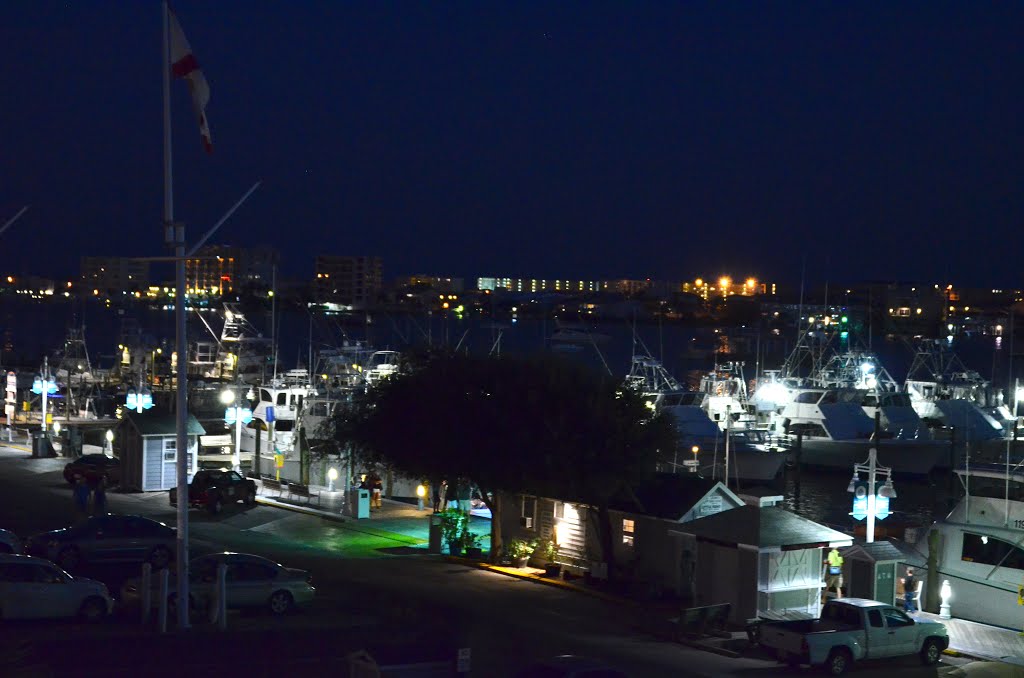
(852, 629)
(212, 489)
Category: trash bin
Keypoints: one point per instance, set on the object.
(360, 503)
(434, 535)
(41, 446)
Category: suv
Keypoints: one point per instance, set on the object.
(92, 467)
(33, 588)
(212, 489)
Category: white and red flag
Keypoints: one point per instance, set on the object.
(184, 65)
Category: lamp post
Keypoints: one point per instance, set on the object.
(865, 498)
(45, 387)
(110, 443)
(237, 415)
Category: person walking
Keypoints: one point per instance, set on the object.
(834, 573)
(99, 498)
(81, 494)
(909, 590)
(377, 488)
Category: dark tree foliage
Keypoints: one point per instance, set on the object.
(509, 424)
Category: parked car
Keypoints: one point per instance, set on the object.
(9, 542)
(212, 489)
(33, 588)
(252, 582)
(92, 467)
(106, 539)
(852, 629)
(570, 666)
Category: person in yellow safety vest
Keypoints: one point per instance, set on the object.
(834, 572)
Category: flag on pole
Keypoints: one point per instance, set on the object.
(185, 65)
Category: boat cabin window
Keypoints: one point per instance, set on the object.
(829, 398)
(265, 396)
(808, 397)
(870, 401)
(284, 425)
(986, 550)
(297, 401)
(282, 399)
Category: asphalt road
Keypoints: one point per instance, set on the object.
(371, 592)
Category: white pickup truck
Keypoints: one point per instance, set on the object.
(852, 629)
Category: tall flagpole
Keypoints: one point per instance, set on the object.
(174, 234)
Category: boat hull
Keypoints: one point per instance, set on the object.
(910, 457)
(750, 465)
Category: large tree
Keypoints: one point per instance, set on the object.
(511, 424)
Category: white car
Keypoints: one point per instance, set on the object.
(251, 582)
(33, 588)
(9, 542)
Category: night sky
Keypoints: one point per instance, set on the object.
(543, 139)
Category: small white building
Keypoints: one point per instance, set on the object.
(765, 561)
(148, 450)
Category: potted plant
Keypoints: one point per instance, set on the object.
(471, 542)
(453, 522)
(519, 551)
(549, 551)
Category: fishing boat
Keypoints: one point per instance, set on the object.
(980, 549)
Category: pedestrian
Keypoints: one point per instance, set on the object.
(909, 590)
(99, 498)
(834, 565)
(378, 490)
(442, 497)
(81, 494)
(436, 494)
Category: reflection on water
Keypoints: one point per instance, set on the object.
(821, 495)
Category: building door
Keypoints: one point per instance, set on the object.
(885, 583)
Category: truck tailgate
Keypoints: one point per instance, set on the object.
(781, 638)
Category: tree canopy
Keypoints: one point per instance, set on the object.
(531, 425)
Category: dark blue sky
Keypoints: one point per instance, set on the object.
(538, 139)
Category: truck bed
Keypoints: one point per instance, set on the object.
(808, 626)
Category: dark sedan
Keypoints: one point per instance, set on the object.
(92, 467)
(106, 539)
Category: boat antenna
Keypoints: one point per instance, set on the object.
(273, 317)
(800, 306)
(11, 221)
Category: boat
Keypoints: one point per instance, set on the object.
(752, 457)
(981, 545)
(829, 428)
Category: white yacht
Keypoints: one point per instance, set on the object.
(751, 455)
(981, 546)
(836, 432)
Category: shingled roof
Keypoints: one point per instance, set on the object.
(161, 424)
(764, 528)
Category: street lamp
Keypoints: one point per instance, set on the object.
(867, 503)
(332, 475)
(110, 443)
(44, 386)
(237, 415)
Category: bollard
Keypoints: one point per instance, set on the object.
(162, 609)
(222, 596)
(147, 590)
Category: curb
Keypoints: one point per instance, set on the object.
(555, 583)
(301, 509)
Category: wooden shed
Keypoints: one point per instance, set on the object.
(148, 450)
(766, 561)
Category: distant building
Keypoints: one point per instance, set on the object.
(220, 269)
(539, 285)
(725, 287)
(347, 280)
(434, 282)
(109, 275)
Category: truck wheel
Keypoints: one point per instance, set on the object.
(931, 651)
(215, 505)
(838, 662)
(250, 497)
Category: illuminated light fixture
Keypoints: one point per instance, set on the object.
(866, 367)
(138, 401)
(227, 397)
(844, 320)
(751, 282)
(39, 384)
(332, 475)
(810, 319)
(945, 593)
(724, 282)
(698, 282)
(852, 487)
(887, 490)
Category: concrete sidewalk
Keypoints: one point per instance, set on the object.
(981, 640)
